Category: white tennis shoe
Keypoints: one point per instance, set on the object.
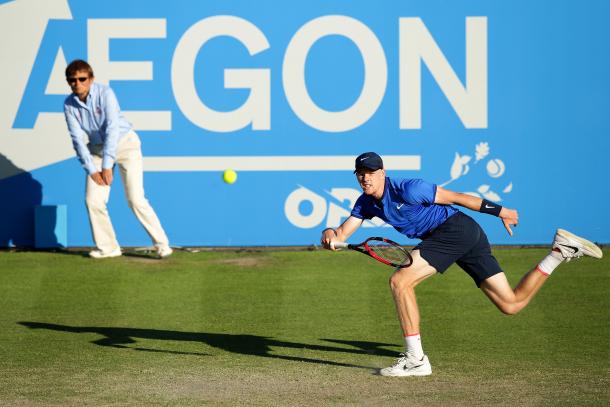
(164, 251)
(408, 365)
(98, 254)
(571, 246)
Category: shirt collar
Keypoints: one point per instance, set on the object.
(93, 89)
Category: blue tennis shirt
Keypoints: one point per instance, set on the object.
(407, 205)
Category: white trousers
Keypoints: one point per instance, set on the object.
(129, 161)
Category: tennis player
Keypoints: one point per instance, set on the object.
(419, 209)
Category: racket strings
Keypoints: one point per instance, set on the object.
(390, 252)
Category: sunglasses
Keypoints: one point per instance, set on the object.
(81, 79)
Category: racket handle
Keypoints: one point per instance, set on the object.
(338, 245)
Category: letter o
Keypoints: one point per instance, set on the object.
(293, 214)
(375, 74)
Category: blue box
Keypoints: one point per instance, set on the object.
(50, 226)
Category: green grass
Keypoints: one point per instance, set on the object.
(290, 328)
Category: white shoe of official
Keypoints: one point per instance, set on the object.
(164, 251)
(408, 365)
(98, 254)
(571, 246)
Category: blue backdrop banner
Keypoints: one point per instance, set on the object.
(504, 100)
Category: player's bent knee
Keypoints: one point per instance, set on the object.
(509, 308)
(508, 311)
(399, 281)
(408, 277)
(395, 282)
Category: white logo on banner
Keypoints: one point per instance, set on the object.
(494, 168)
(25, 23)
(329, 211)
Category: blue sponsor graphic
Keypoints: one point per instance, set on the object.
(501, 100)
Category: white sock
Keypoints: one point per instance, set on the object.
(414, 345)
(550, 262)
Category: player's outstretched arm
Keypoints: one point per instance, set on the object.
(341, 234)
(508, 216)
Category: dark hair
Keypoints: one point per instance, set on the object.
(78, 65)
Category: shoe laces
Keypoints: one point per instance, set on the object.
(401, 360)
(566, 252)
(576, 255)
(569, 255)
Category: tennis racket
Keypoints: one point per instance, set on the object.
(381, 249)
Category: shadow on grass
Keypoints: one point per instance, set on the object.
(252, 345)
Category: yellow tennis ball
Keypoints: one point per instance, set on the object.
(229, 176)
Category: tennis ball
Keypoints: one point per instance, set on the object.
(229, 176)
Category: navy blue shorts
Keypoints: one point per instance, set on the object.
(460, 240)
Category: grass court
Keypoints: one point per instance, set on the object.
(290, 328)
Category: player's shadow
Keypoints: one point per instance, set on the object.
(242, 344)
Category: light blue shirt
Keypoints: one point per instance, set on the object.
(98, 119)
